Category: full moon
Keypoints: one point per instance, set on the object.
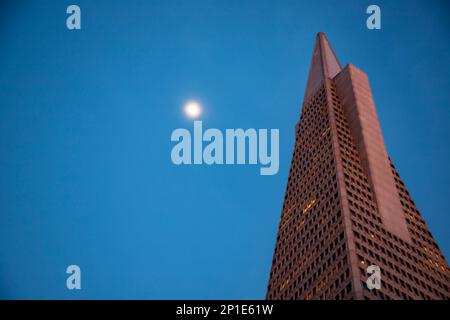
(193, 109)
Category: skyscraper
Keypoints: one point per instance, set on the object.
(346, 207)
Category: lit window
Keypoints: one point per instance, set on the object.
(325, 132)
(309, 205)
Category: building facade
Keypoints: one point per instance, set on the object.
(346, 207)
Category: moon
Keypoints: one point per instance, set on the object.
(193, 109)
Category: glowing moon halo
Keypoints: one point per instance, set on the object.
(193, 109)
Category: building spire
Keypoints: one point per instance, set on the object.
(324, 64)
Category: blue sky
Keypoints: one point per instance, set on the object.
(86, 119)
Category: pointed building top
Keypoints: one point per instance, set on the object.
(324, 64)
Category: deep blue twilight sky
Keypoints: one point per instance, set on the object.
(86, 118)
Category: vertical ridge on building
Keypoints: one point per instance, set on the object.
(324, 64)
(345, 206)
